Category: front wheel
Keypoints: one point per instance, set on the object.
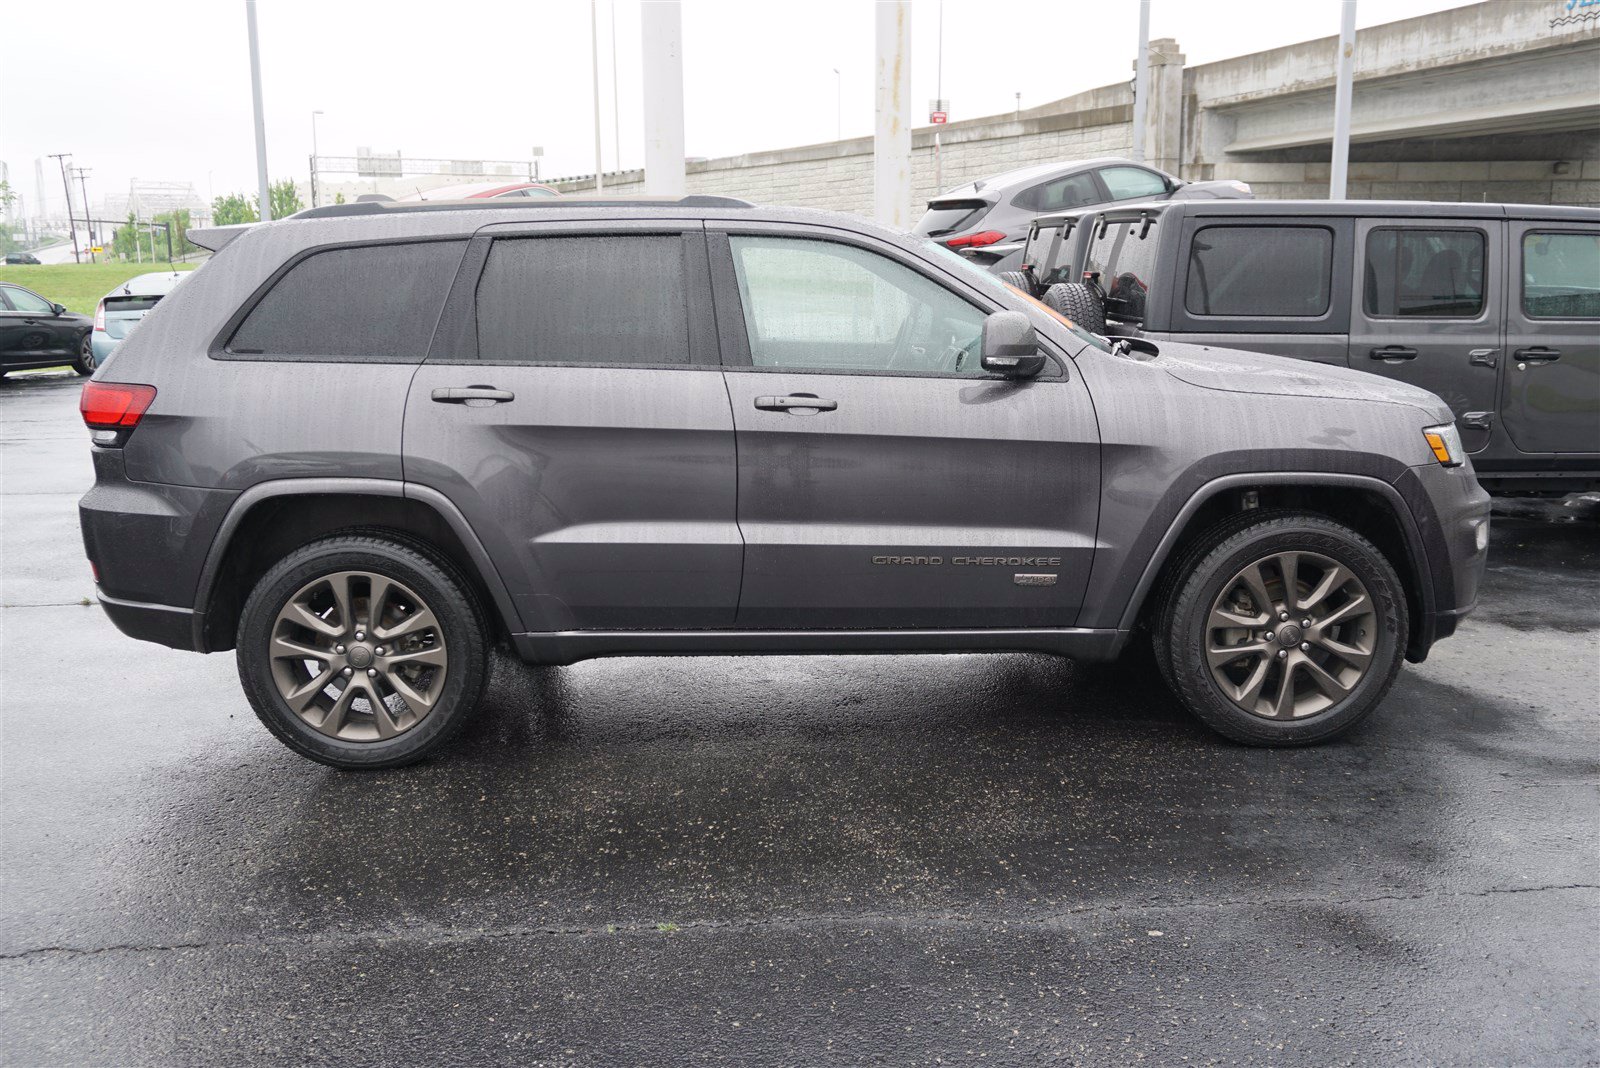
(1282, 629)
(84, 364)
(362, 652)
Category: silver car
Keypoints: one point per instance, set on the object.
(120, 310)
(988, 220)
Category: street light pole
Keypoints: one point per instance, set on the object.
(66, 185)
(263, 190)
(1141, 82)
(314, 115)
(594, 55)
(838, 105)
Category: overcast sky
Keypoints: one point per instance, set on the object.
(161, 89)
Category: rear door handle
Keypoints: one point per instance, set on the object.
(1393, 352)
(796, 400)
(1483, 357)
(1538, 355)
(468, 394)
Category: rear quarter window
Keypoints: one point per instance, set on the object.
(366, 303)
(1276, 271)
(1123, 254)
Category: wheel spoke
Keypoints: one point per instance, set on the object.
(1218, 655)
(416, 621)
(1332, 579)
(1356, 605)
(1250, 692)
(419, 702)
(379, 593)
(1354, 656)
(1289, 569)
(1283, 705)
(301, 699)
(298, 613)
(339, 586)
(1256, 583)
(1225, 618)
(1325, 682)
(285, 649)
(333, 722)
(381, 718)
(431, 657)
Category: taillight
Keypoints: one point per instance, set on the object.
(978, 240)
(114, 405)
(100, 316)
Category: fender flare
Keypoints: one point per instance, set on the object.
(370, 487)
(1416, 550)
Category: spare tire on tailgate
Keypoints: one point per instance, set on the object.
(1018, 280)
(1078, 302)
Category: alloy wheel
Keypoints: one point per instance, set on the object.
(1290, 635)
(358, 656)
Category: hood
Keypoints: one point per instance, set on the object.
(1236, 371)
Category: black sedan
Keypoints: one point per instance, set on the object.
(35, 332)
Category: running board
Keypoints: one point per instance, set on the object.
(571, 646)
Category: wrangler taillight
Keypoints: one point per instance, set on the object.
(114, 405)
(977, 240)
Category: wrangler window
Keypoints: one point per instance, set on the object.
(1278, 271)
(1123, 255)
(1431, 274)
(1561, 276)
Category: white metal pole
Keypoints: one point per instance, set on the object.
(1141, 82)
(594, 50)
(661, 30)
(261, 125)
(838, 105)
(314, 115)
(616, 97)
(891, 142)
(1340, 170)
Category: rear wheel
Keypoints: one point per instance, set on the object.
(1078, 302)
(1282, 629)
(362, 652)
(85, 362)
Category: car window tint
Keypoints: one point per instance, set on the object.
(1071, 191)
(949, 217)
(25, 301)
(1435, 274)
(1124, 183)
(1561, 276)
(821, 305)
(598, 298)
(369, 303)
(1260, 270)
(1123, 254)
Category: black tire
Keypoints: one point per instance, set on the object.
(85, 363)
(442, 589)
(1181, 632)
(1078, 302)
(1017, 280)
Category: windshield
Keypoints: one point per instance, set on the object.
(984, 280)
(949, 216)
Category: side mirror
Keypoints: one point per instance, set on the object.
(1011, 346)
(58, 309)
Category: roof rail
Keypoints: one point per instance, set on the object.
(390, 207)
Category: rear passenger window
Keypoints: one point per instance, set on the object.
(1283, 271)
(591, 299)
(1561, 276)
(376, 303)
(1425, 274)
(1073, 191)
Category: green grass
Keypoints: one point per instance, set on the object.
(79, 285)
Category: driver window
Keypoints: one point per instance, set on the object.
(818, 305)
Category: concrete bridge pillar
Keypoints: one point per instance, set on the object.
(1163, 126)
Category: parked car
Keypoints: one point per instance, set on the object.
(21, 258)
(1494, 307)
(35, 332)
(368, 442)
(484, 191)
(989, 219)
(120, 310)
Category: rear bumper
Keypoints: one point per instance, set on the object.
(159, 623)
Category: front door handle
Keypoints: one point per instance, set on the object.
(808, 403)
(1538, 354)
(470, 394)
(1393, 352)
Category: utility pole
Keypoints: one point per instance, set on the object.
(939, 105)
(265, 191)
(594, 55)
(838, 105)
(891, 142)
(88, 220)
(1141, 82)
(314, 115)
(66, 184)
(1345, 74)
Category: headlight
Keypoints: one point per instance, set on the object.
(1445, 441)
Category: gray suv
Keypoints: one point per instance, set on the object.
(364, 444)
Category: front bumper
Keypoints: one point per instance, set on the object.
(1451, 511)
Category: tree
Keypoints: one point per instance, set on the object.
(338, 198)
(285, 201)
(233, 209)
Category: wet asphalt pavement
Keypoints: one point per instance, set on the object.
(848, 860)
